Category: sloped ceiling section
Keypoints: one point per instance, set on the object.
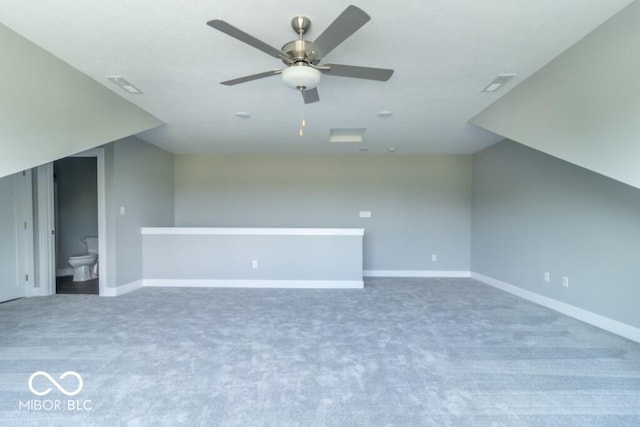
(584, 106)
(49, 110)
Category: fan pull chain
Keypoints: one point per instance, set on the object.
(303, 122)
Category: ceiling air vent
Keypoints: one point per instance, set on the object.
(347, 134)
(125, 85)
(498, 82)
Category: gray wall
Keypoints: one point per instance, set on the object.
(420, 204)
(229, 257)
(139, 178)
(51, 110)
(76, 206)
(534, 213)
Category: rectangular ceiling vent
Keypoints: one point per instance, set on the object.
(125, 85)
(498, 82)
(346, 134)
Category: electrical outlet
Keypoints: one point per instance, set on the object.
(434, 257)
(565, 281)
(254, 264)
(547, 277)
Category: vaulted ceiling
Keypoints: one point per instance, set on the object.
(443, 52)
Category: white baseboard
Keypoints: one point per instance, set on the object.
(62, 272)
(416, 273)
(289, 284)
(121, 290)
(627, 331)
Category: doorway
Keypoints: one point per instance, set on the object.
(75, 190)
(71, 208)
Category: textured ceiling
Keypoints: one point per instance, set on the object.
(443, 52)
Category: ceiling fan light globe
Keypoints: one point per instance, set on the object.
(301, 77)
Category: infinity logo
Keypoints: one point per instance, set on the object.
(55, 383)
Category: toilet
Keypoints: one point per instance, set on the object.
(85, 267)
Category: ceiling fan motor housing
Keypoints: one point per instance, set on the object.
(297, 51)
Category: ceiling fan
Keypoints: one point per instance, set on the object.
(303, 57)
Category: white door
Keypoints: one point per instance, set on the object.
(12, 281)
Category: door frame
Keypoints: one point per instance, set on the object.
(45, 232)
(46, 217)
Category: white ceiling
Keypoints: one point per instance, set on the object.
(443, 52)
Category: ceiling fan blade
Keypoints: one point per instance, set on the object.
(251, 77)
(347, 23)
(310, 96)
(236, 33)
(381, 74)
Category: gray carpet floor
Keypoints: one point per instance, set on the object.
(400, 352)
